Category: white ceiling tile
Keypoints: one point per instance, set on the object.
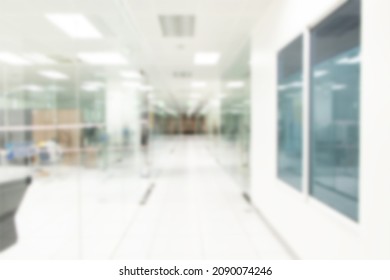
(220, 26)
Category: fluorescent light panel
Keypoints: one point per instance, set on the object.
(207, 58)
(13, 59)
(75, 25)
(40, 59)
(103, 58)
(54, 75)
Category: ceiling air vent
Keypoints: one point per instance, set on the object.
(177, 25)
(182, 74)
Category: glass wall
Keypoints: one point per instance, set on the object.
(46, 108)
(234, 144)
(335, 79)
(70, 111)
(290, 113)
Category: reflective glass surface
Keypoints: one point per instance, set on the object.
(290, 114)
(335, 76)
(234, 144)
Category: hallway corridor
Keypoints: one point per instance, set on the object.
(192, 209)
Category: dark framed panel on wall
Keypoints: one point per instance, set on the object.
(290, 89)
(334, 109)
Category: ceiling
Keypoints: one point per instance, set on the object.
(133, 28)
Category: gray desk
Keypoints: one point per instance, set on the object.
(13, 186)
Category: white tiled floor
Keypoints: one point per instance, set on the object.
(194, 211)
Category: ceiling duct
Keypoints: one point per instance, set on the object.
(177, 26)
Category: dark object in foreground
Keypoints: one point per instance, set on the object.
(12, 191)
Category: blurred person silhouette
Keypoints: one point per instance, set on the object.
(126, 138)
(145, 146)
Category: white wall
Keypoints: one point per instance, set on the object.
(311, 228)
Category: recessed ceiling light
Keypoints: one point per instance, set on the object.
(208, 58)
(75, 25)
(235, 84)
(131, 74)
(198, 84)
(40, 58)
(14, 59)
(54, 75)
(103, 58)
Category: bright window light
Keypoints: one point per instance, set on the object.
(131, 74)
(75, 25)
(235, 84)
(14, 59)
(105, 58)
(40, 59)
(54, 75)
(198, 84)
(209, 58)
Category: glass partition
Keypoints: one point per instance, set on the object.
(234, 144)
